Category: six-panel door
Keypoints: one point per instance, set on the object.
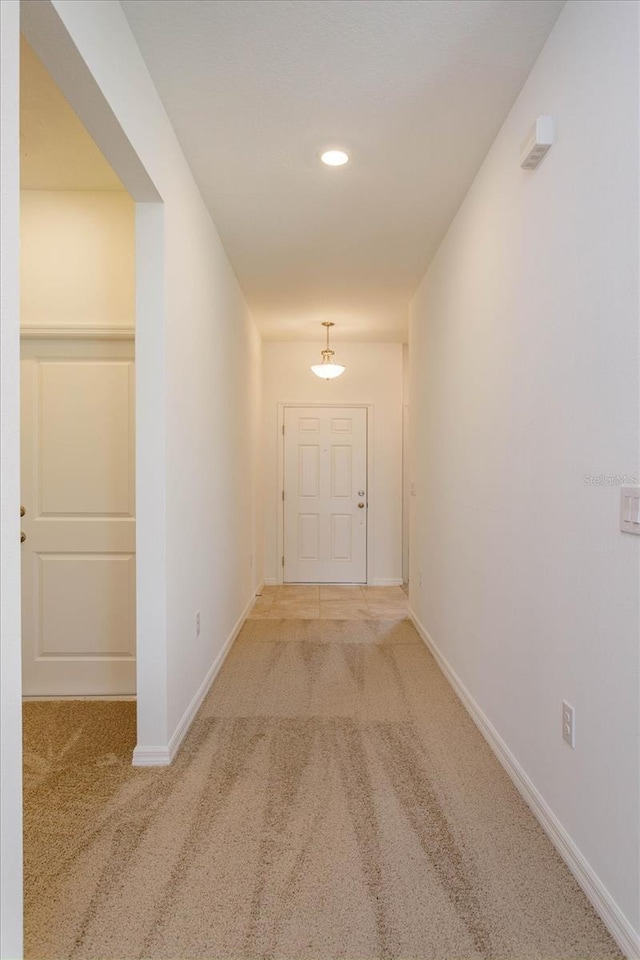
(325, 488)
(78, 486)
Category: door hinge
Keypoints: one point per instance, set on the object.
(283, 561)
(283, 494)
(283, 429)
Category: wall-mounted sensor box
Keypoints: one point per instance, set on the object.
(537, 143)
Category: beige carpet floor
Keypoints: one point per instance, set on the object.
(332, 800)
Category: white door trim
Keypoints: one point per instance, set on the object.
(369, 407)
(30, 331)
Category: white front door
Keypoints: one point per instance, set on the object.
(78, 485)
(325, 495)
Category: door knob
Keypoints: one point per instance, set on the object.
(23, 536)
(360, 505)
(22, 511)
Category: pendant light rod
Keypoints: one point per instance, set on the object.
(327, 351)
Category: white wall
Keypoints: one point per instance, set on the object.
(524, 356)
(197, 370)
(213, 383)
(77, 258)
(373, 376)
(10, 661)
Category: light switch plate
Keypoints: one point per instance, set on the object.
(630, 510)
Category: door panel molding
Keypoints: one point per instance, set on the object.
(111, 421)
(58, 625)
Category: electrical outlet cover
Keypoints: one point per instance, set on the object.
(568, 724)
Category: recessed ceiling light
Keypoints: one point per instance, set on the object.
(334, 158)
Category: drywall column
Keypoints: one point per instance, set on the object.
(10, 651)
(151, 509)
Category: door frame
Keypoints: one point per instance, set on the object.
(282, 406)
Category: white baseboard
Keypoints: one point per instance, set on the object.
(627, 938)
(151, 757)
(161, 756)
(118, 697)
(372, 583)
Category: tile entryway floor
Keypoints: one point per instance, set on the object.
(328, 602)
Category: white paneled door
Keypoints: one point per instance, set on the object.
(325, 495)
(78, 485)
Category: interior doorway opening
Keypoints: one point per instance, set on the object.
(77, 322)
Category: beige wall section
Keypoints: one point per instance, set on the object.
(77, 261)
(373, 376)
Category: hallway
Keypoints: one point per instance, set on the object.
(332, 799)
(439, 198)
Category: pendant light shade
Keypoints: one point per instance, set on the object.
(327, 370)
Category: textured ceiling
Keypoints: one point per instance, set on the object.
(415, 89)
(56, 152)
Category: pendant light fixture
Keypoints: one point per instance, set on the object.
(327, 370)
